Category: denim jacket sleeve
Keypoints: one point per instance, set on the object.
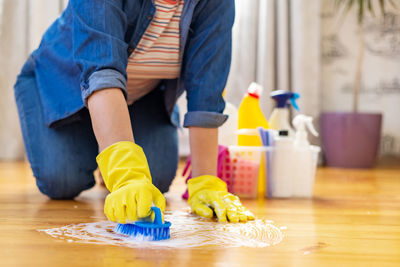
(99, 48)
(206, 62)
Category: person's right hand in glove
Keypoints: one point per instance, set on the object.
(126, 174)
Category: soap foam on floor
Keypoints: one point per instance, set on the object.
(187, 231)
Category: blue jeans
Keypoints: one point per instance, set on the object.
(63, 158)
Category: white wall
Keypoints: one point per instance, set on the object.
(41, 14)
(22, 23)
(13, 49)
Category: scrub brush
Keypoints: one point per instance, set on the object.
(156, 230)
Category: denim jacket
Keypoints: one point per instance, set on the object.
(87, 48)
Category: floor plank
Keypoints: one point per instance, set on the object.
(354, 219)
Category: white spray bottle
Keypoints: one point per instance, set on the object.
(280, 182)
(303, 178)
(279, 119)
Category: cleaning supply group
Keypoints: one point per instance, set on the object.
(272, 159)
(255, 159)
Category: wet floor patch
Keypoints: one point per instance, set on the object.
(187, 231)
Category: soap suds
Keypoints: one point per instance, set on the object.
(187, 231)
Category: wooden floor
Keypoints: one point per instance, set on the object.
(354, 220)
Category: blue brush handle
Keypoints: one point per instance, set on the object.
(158, 215)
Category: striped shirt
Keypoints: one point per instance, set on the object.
(157, 56)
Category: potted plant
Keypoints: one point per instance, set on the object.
(351, 139)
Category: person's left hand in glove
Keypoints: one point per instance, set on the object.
(209, 194)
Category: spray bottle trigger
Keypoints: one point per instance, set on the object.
(293, 101)
(310, 127)
(301, 122)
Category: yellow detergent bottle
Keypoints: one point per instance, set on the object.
(251, 117)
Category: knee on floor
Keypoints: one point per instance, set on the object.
(65, 184)
(163, 179)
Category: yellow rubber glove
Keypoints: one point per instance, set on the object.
(126, 174)
(209, 193)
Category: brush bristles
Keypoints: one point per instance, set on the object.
(154, 233)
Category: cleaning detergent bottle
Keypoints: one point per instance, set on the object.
(304, 159)
(251, 117)
(280, 179)
(279, 119)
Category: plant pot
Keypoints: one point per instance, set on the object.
(350, 140)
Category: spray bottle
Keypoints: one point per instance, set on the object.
(305, 161)
(280, 178)
(251, 116)
(300, 122)
(279, 119)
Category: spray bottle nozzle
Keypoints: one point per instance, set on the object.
(293, 99)
(301, 121)
(282, 97)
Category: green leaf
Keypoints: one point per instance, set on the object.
(361, 11)
(370, 7)
(349, 5)
(363, 7)
(382, 4)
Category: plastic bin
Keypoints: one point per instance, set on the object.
(243, 168)
(291, 172)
